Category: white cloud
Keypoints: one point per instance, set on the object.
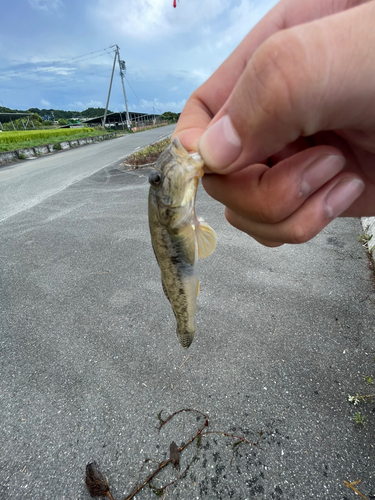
(200, 75)
(45, 103)
(40, 74)
(46, 5)
(186, 44)
(95, 104)
(154, 19)
(80, 106)
(77, 106)
(159, 106)
(55, 70)
(168, 52)
(243, 17)
(155, 74)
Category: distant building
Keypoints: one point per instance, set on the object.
(118, 120)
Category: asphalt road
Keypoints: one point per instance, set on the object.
(28, 183)
(89, 355)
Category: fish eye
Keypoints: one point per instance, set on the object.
(155, 178)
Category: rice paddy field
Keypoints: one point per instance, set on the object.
(10, 141)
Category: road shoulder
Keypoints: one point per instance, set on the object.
(368, 224)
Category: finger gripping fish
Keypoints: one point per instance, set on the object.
(178, 237)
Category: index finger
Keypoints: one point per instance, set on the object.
(209, 98)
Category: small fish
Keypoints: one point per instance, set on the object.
(178, 237)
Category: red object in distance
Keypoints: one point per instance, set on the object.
(174, 3)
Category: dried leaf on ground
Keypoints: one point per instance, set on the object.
(95, 481)
(174, 454)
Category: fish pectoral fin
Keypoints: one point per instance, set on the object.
(206, 238)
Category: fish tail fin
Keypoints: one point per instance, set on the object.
(206, 238)
(185, 337)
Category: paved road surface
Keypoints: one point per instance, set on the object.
(27, 183)
(89, 354)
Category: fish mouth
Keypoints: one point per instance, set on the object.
(196, 172)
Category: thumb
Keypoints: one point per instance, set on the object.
(312, 77)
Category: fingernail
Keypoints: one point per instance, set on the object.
(341, 196)
(320, 172)
(220, 145)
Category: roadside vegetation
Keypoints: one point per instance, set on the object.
(147, 155)
(47, 116)
(17, 133)
(11, 141)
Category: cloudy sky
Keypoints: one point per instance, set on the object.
(56, 53)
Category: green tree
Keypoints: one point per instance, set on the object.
(94, 112)
(170, 116)
(37, 119)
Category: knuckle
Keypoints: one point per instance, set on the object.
(273, 71)
(269, 212)
(299, 234)
(267, 215)
(232, 218)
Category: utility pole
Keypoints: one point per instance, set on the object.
(122, 68)
(110, 85)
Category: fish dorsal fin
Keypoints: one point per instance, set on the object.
(206, 238)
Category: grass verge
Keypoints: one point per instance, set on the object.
(147, 155)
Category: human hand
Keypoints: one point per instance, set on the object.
(298, 94)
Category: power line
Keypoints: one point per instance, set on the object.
(49, 82)
(89, 54)
(77, 59)
(41, 70)
(62, 61)
(147, 107)
(58, 63)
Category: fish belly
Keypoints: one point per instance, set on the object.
(176, 255)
